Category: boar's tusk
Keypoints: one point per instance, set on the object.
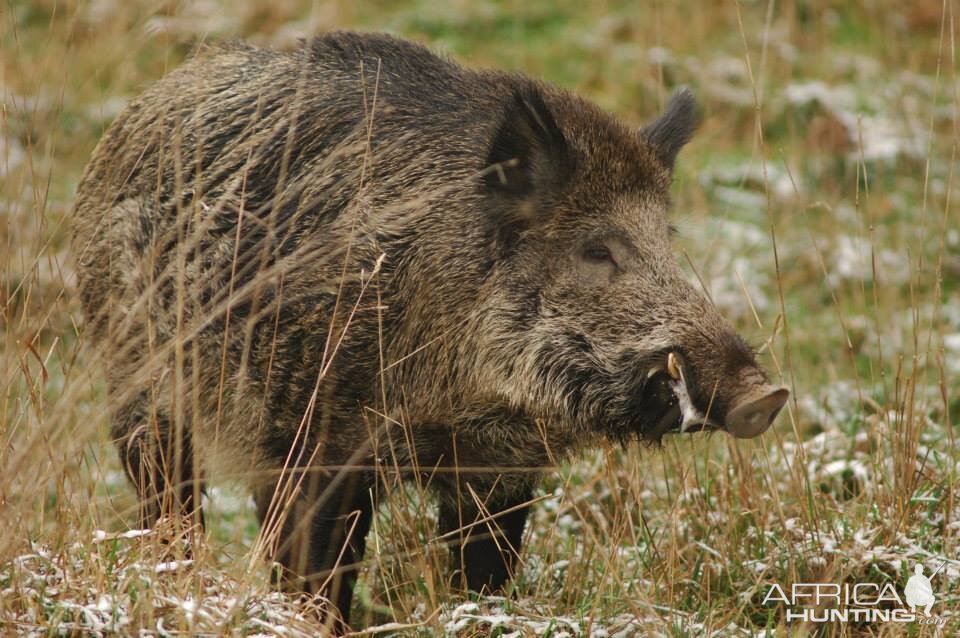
(673, 367)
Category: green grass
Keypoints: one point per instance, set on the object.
(857, 310)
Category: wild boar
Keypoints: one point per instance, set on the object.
(357, 260)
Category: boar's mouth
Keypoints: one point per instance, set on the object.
(665, 405)
(662, 406)
(671, 410)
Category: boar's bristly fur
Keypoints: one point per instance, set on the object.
(317, 269)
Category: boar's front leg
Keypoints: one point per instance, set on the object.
(323, 536)
(485, 537)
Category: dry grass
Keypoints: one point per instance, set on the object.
(815, 205)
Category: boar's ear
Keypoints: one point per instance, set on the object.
(527, 164)
(528, 151)
(669, 132)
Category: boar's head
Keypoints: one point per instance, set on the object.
(591, 322)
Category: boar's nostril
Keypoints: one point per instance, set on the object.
(752, 416)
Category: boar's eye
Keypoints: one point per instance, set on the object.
(600, 260)
(598, 253)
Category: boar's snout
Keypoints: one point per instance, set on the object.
(740, 400)
(753, 414)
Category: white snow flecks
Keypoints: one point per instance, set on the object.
(871, 129)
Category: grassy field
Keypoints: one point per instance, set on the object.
(815, 205)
